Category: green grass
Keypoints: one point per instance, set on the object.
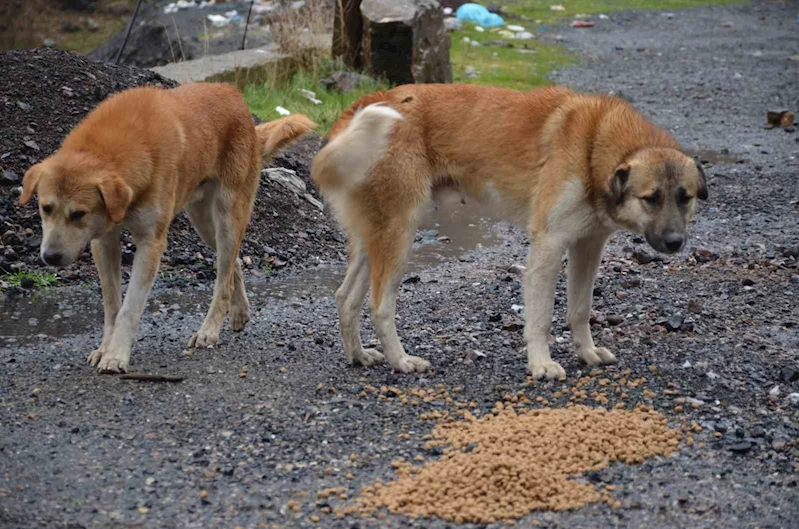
(539, 9)
(526, 65)
(529, 63)
(263, 99)
(40, 279)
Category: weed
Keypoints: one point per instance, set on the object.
(40, 279)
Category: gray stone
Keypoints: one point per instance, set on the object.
(345, 81)
(405, 41)
(150, 44)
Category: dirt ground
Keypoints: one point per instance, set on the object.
(275, 414)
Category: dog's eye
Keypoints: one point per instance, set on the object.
(47, 209)
(76, 215)
(653, 199)
(683, 198)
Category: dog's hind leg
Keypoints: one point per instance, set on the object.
(198, 213)
(106, 254)
(388, 250)
(584, 257)
(230, 210)
(349, 299)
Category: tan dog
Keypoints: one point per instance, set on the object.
(135, 162)
(570, 168)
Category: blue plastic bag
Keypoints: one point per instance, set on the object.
(479, 15)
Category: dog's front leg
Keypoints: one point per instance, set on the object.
(116, 357)
(539, 300)
(106, 254)
(584, 257)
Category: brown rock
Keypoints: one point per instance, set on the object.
(405, 41)
(780, 118)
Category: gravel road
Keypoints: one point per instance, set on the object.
(274, 415)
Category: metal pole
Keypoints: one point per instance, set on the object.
(249, 11)
(127, 34)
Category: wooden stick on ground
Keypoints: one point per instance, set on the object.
(148, 377)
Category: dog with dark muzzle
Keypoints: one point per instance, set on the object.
(568, 167)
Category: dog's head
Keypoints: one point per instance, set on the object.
(79, 200)
(654, 193)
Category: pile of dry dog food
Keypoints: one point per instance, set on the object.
(508, 463)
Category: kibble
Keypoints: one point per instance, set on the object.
(506, 464)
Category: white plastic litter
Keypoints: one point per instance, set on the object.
(557, 7)
(479, 29)
(515, 28)
(310, 96)
(282, 111)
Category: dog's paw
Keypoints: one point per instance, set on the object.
(411, 364)
(95, 356)
(596, 356)
(239, 316)
(113, 363)
(203, 339)
(548, 369)
(368, 357)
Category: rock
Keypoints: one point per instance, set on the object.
(452, 24)
(703, 255)
(694, 307)
(127, 256)
(27, 282)
(517, 269)
(793, 399)
(474, 355)
(288, 179)
(615, 319)
(10, 238)
(780, 118)
(345, 81)
(747, 282)
(10, 255)
(757, 431)
(92, 25)
(70, 27)
(405, 41)
(32, 145)
(675, 322)
(741, 448)
(470, 72)
(48, 43)
(789, 374)
(642, 257)
(513, 324)
(631, 283)
(150, 44)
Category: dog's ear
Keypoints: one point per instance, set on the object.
(619, 182)
(116, 196)
(276, 134)
(702, 193)
(30, 182)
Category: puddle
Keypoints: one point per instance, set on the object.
(715, 157)
(444, 235)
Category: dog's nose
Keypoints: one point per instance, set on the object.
(673, 241)
(52, 258)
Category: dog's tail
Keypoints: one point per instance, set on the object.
(277, 134)
(351, 154)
